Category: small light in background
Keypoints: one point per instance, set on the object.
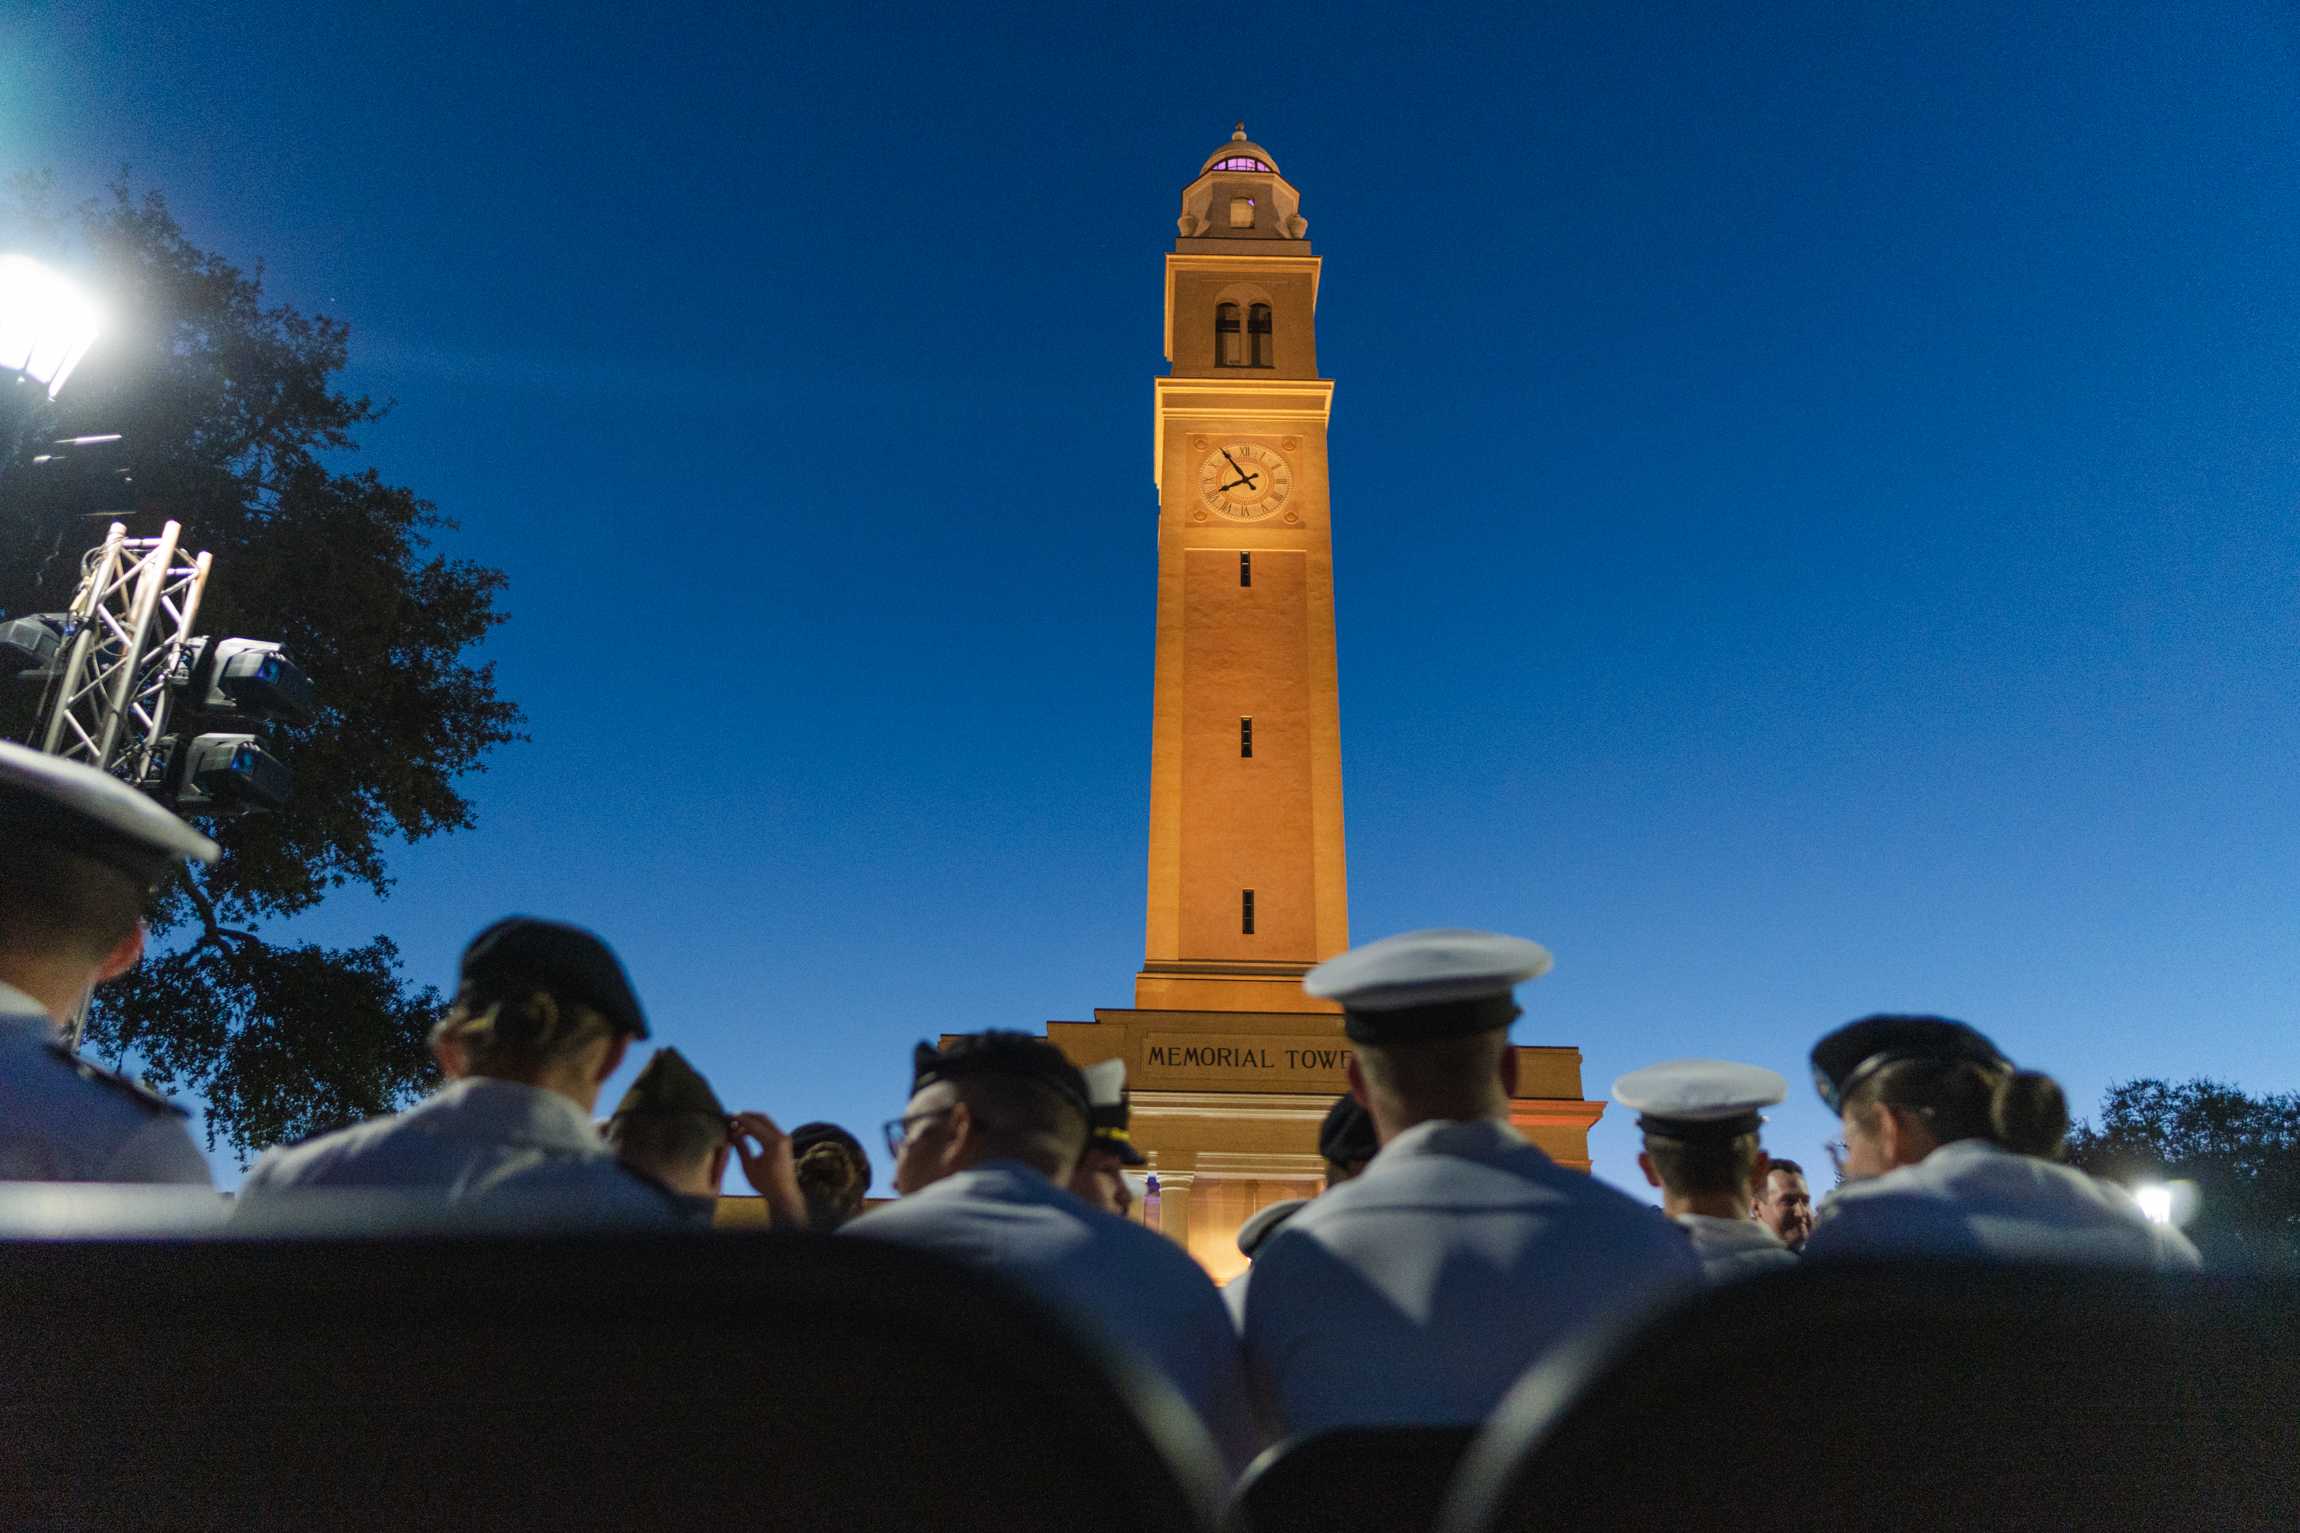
(2156, 1202)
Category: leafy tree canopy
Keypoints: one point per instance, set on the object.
(235, 427)
(2243, 1153)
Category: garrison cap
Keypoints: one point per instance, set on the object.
(1018, 1055)
(1699, 1098)
(1347, 1135)
(79, 809)
(521, 953)
(1858, 1050)
(669, 1087)
(1421, 986)
(1108, 1114)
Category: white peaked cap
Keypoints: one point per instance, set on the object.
(1105, 1082)
(67, 804)
(1427, 968)
(1696, 1095)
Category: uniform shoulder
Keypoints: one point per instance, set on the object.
(126, 1086)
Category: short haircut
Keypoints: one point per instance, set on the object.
(1784, 1163)
(55, 902)
(1026, 1119)
(666, 1143)
(1692, 1168)
(1438, 1077)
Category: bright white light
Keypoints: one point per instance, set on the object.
(46, 324)
(2156, 1202)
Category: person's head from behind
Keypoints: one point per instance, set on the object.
(1346, 1141)
(542, 1004)
(833, 1173)
(671, 1128)
(1784, 1204)
(1903, 1086)
(989, 1096)
(1700, 1119)
(1427, 1014)
(81, 855)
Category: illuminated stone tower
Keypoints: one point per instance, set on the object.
(1246, 878)
(1231, 1066)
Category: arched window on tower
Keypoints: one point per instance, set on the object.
(1229, 350)
(1258, 333)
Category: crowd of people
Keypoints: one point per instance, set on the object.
(1445, 1254)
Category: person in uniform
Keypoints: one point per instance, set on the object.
(1346, 1143)
(1700, 1119)
(833, 1173)
(1101, 1175)
(1418, 1292)
(1784, 1204)
(1952, 1152)
(81, 855)
(670, 1131)
(983, 1154)
(542, 1015)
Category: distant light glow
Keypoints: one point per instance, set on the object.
(46, 324)
(2156, 1202)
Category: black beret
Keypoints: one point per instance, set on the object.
(520, 953)
(999, 1053)
(1858, 1050)
(1347, 1135)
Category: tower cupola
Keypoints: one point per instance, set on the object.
(1239, 195)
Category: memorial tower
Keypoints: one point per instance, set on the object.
(1231, 1066)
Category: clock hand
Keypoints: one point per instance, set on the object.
(1244, 478)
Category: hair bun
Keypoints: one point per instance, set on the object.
(2028, 1112)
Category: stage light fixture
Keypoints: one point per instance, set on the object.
(244, 678)
(221, 774)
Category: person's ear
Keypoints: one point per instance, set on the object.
(1645, 1164)
(716, 1176)
(123, 956)
(1890, 1132)
(1357, 1079)
(612, 1060)
(1764, 1169)
(1509, 1073)
(453, 1062)
(958, 1146)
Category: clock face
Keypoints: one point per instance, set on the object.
(1244, 481)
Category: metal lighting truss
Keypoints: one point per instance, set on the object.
(133, 614)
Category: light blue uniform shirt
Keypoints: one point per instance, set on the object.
(1132, 1287)
(487, 1146)
(1730, 1249)
(1418, 1292)
(63, 1119)
(1975, 1200)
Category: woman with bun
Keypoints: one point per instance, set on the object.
(1952, 1152)
(833, 1172)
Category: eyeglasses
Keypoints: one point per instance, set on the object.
(1837, 1150)
(898, 1130)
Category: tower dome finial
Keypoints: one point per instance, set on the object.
(1240, 134)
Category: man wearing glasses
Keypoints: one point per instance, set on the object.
(994, 1128)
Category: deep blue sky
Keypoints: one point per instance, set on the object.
(1814, 490)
